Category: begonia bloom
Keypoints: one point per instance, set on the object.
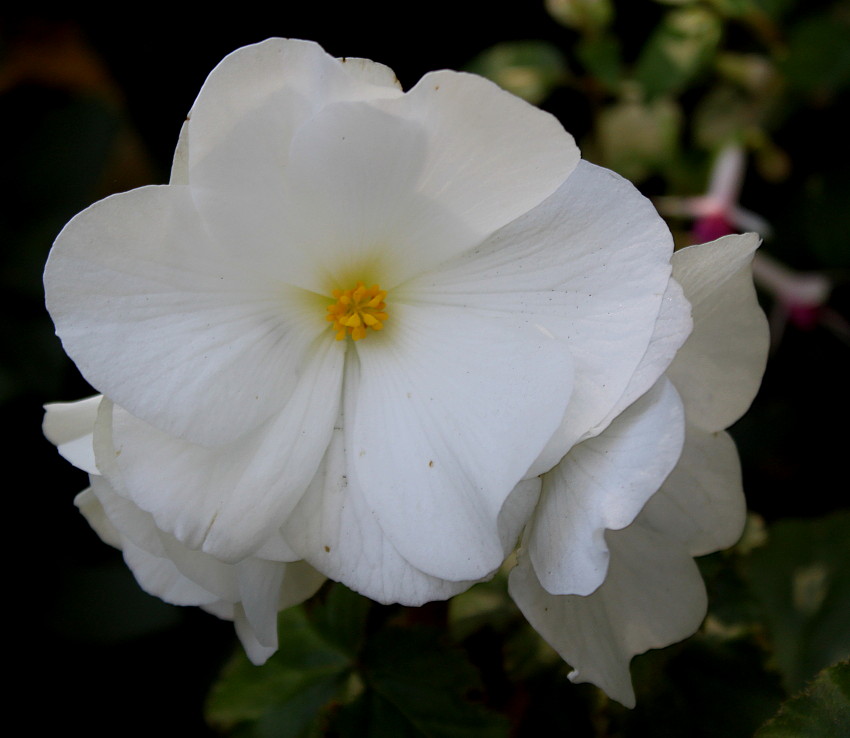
(350, 335)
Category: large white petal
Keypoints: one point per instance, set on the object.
(335, 529)
(653, 596)
(591, 265)
(254, 588)
(719, 369)
(134, 526)
(265, 587)
(701, 504)
(161, 578)
(93, 511)
(241, 129)
(228, 501)
(257, 651)
(120, 524)
(300, 582)
(259, 590)
(602, 484)
(451, 408)
(306, 175)
(275, 85)
(671, 330)
(70, 426)
(490, 156)
(517, 511)
(187, 339)
(352, 202)
(180, 163)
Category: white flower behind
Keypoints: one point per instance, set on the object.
(353, 331)
(602, 583)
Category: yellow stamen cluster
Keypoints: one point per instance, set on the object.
(356, 310)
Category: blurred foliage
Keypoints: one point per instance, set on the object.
(529, 69)
(822, 710)
(349, 667)
(653, 89)
(332, 675)
(801, 580)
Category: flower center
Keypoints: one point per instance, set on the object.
(356, 310)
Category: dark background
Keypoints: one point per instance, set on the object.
(89, 105)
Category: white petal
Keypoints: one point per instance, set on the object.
(671, 330)
(351, 203)
(241, 129)
(69, 426)
(130, 522)
(259, 590)
(161, 578)
(266, 587)
(94, 513)
(138, 528)
(228, 501)
(517, 511)
(186, 339)
(371, 73)
(118, 524)
(180, 163)
(602, 484)
(275, 548)
(275, 85)
(491, 156)
(719, 369)
(167, 569)
(257, 651)
(300, 582)
(591, 265)
(450, 410)
(701, 504)
(653, 596)
(335, 530)
(514, 154)
(222, 609)
(387, 190)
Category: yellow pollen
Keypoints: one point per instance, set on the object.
(356, 310)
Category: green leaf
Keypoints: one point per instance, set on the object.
(776, 9)
(635, 138)
(587, 16)
(820, 711)
(683, 687)
(341, 618)
(818, 59)
(802, 581)
(600, 55)
(734, 8)
(285, 696)
(681, 47)
(420, 687)
(528, 69)
(725, 114)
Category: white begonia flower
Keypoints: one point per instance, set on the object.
(351, 333)
(602, 583)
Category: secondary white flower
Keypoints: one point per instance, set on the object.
(351, 332)
(598, 580)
